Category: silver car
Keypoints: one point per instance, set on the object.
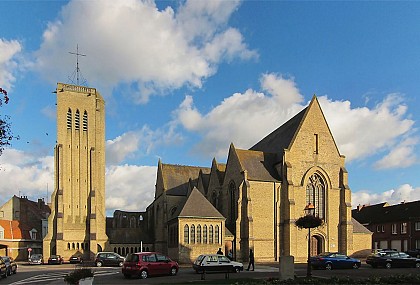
(216, 262)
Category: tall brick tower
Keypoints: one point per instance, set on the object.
(76, 225)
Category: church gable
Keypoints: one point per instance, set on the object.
(198, 206)
(313, 136)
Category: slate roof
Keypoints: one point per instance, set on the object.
(15, 230)
(359, 228)
(384, 213)
(198, 206)
(176, 178)
(259, 165)
(280, 138)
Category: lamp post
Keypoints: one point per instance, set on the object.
(309, 210)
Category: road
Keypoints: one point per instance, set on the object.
(54, 274)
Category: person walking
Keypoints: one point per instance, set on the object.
(220, 251)
(251, 260)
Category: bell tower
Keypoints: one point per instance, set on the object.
(76, 225)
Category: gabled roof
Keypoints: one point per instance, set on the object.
(15, 230)
(384, 213)
(359, 228)
(198, 206)
(176, 177)
(259, 165)
(282, 137)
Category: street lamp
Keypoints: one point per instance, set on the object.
(309, 210)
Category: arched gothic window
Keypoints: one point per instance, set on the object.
(199, 234)
(186, 234)
(211, 234)
(205, 234)
(315, 194)
(192, 234)
(216, 234)
(85, 121)
(69, 119)
(77, 120)
(232, 206)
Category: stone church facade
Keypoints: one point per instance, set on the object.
(76, 225)
(255, 198)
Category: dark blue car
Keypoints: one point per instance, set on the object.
(334, 260)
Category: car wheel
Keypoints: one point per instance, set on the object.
(174, 271)
(128, 276)
(120, 264)
(417, 264)
(237, 270)
(143, 274)
(99, 264)
(328, 266)
(356, 266)
(388, 265)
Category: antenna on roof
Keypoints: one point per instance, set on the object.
(77, 71)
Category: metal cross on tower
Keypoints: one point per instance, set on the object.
(77, 54)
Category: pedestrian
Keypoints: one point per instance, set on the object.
(251, 260)
(220, 251)
(230, 254)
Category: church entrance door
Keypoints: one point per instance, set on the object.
(316, 245)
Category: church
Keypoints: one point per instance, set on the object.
(250, 202)
(253, 200)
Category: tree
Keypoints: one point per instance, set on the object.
(6, 135)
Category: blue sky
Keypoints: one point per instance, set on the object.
(182, 80)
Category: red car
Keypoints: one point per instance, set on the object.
(144, 264)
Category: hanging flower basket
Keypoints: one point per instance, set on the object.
(308, 222)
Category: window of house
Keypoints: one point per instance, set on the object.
(403, 228)
(1, 233)
(383, 228)
(32, 233)
(378, 229)
(1, 214)
(186, 234)
(394, 229)
(417, 226)
(417, 243)
(315, 194)
(216, 234)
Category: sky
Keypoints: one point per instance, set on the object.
(184, 79)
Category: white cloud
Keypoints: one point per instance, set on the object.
(133, 42)
(9, 52)
(25, 174)
(129, 187)
(246, 118)
(405, 192)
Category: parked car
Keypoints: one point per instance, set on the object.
(216, 262)
(414, 252)
(389, 259)
(145, 264)
(11, 266)
(3, 269)
(334, 260)
(36, 259)
(108, 259)
(55, 259)
(76, 259)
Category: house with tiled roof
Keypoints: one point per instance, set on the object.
(393, 226)
(28, 219)
(256, 197)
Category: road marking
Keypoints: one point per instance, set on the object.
(58, 276)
